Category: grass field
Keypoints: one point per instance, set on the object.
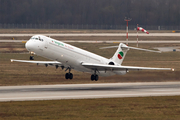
(25, 74)
(142, 108)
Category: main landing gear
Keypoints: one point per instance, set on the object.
(69, 75)
(94, 76)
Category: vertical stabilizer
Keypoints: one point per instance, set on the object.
(120, 54)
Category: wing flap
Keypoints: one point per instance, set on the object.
(102, 67)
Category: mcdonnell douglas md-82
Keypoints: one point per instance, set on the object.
(70, 57)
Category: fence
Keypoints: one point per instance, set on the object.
(68, 26)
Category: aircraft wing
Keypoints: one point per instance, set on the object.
(52, 63)
(102, 67)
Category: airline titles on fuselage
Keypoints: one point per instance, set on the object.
(61, 44)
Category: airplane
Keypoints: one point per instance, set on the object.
(70, 57)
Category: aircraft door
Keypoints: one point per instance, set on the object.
(45, 44)
(41, 43)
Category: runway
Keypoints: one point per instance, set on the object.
(95, 34)
(87, 91)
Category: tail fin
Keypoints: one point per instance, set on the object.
(120, 53)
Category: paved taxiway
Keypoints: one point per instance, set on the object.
(85, 91)
(168, 49)
(97, 34)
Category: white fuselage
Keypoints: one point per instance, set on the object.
(68, 55)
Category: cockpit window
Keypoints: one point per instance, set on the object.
(32, 37)
(36, 38)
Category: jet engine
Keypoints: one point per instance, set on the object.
(111, 63)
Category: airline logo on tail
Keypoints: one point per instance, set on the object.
(120, 55)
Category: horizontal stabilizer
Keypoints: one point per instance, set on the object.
(128, 47)
(142, 49)
(109, 47)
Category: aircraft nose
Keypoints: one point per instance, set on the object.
(28, 45)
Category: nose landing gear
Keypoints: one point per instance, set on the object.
(32, 56)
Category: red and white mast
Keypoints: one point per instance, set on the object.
(127, 20)
(137, 35)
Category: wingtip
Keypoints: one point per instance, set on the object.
(12, 60)
(173, 69)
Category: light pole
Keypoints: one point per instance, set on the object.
(127, 20)
(137, 34)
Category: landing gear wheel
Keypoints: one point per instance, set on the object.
(92, 77)
(31, 57)
(96, 77)
(69, 76)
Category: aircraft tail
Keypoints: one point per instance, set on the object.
(122, 50)
(120, 54)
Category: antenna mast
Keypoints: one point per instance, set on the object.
(127, 20)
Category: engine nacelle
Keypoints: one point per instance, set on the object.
(120, 72)
(111, 63)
